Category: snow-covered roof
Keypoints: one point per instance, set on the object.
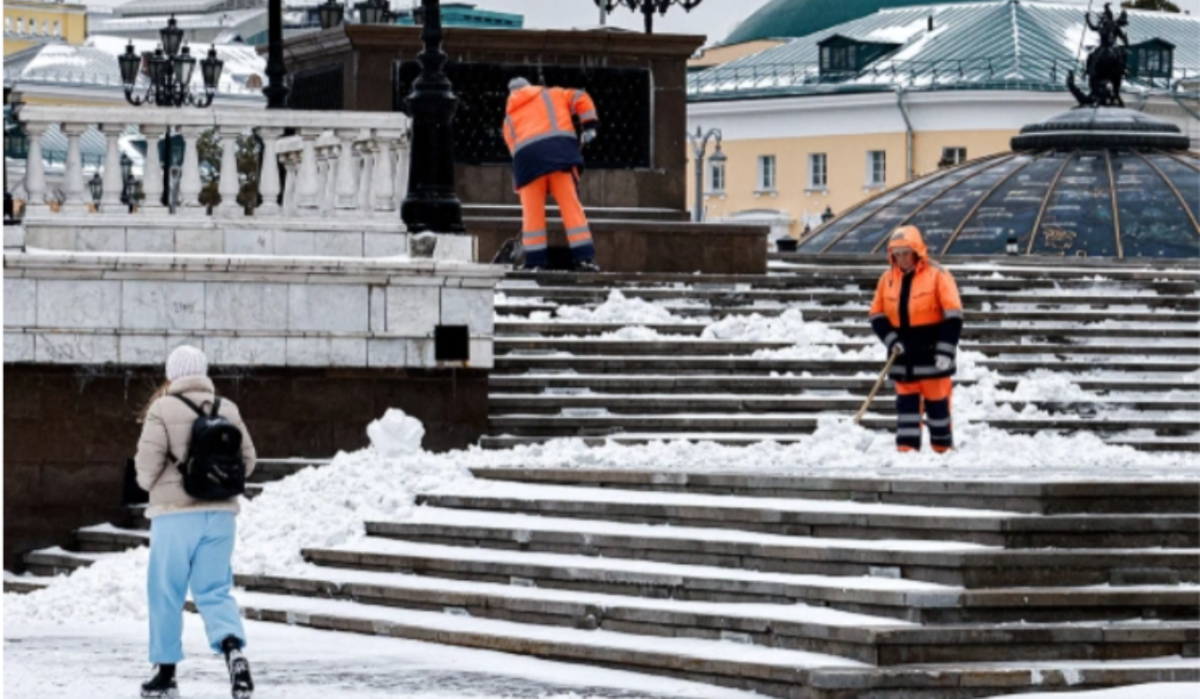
(982, 45)
(95, 64)
(154, 23)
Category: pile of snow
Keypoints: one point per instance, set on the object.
(789, 326)
(619, 309)
(316, 507)
(1160, 690)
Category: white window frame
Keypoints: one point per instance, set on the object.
(768, 173)
(716, 177)
(955, 155)
(872, 157)
(815, 183)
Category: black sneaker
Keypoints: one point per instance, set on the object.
(162, 685)
(240, 683)
(587, 266)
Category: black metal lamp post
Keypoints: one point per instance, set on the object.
(647, 8)
(331, 14)
(275, 91)
(127, 181)
(170, 68)
(16, 145)
(373, 11)
(431, 204)
(699, 143)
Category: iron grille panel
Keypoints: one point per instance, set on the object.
(318, 89)
(623, 100)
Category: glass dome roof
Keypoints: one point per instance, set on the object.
(1090, 182)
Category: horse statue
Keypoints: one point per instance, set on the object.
(1105, 63)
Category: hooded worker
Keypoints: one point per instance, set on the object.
(540, 134)
(917, 313)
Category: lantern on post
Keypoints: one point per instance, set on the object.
(331, 14)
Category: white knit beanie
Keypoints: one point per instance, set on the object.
(186, 361)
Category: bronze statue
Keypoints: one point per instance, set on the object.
(1106, 62)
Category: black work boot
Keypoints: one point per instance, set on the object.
(162, 685)
(241, 686)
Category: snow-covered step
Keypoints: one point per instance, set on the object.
(875, 640)
(102, 538)
(971, 298)
(944, 562)
(787, 385)
(910, 600)
(553, 403)
(683, 365)
(768, 671)
(697, 348)
(55, 560)
(508, 441)
(23, 584)
(975, 330)
(990, 491)
(591, 424)
(823, 518)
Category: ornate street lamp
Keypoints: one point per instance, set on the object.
(646, 7)
(699, 143)
(170, 68)
(96, 186)
(331, 14)
(431, 204)
(827, 215)
(275, 91)
(373, 11)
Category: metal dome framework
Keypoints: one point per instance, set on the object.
(1120, 202)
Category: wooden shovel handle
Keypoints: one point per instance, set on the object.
(878, 382)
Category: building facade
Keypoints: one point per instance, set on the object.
(823, 121)
(28, 23)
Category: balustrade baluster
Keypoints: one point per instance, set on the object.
(114, 184)
(268, 178)
(152, 182)
(35, 174)
(189, 178)
(73, 179)
(308, 190)
(347, 180)
(230, 184)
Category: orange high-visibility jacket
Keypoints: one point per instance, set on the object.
(539, 131)
(921, 310)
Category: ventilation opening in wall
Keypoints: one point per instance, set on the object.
(451, 343)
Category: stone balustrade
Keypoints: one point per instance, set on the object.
(340, 164)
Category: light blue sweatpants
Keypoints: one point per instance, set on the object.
(191, 549)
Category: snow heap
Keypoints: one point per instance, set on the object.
(619, 309)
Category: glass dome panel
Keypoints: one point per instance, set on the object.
(1011, 210)
(1153, 222)
(1079, 214)
(871, 233)
(940, 219)
(818, 242)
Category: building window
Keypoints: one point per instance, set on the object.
(716, 177)
(766, 173)
(57, 29)
(8, 25)
(45, 28)
(20, 26)
(1151, 59)
(818, 175)
(955, 155)
(876, 168)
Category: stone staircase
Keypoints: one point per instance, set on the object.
(792, 587)
(798, 587)
(1125, 331)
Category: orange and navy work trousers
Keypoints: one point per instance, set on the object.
(533, 214)
(928, 397)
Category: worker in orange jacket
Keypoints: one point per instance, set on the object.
(540, 134)
(917, 313)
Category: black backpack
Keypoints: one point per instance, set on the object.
(213, 468)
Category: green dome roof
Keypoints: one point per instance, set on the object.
(790, 18)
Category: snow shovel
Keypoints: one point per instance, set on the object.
(879, 382)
